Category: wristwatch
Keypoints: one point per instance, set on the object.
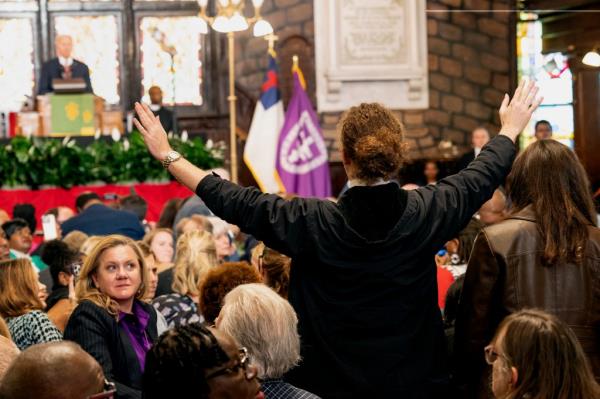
(172, 156)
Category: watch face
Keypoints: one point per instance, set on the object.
(174, 155)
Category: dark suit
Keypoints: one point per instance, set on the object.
(466, 159)
(167, 119)
(98, 333)
(52, 69)
(363, 277)
(100, 220)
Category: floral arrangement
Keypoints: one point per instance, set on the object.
(36, 162)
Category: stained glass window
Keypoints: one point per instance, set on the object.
(16, 62)
(95, 42)
(555, 80)
(170, 54)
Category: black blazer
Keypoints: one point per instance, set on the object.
(100, 220)
(167, 119)
(52, 69)
(363, 276)
(466, 159)
(98, 333)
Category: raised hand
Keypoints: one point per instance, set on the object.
(516, 113)
(152, 131)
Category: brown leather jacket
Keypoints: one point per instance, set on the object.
(505, 274)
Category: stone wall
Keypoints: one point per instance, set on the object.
(469, 67)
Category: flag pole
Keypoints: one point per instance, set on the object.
(232, 109)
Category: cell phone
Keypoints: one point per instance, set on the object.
(75, 268)
(49, 227)
(111, 197)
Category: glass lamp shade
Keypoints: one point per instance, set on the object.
(592, 58)
(221, 24)
(258, 3)
(262, 28)
(202, 26)
(237, 23)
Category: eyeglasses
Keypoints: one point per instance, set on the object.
(491, 355)
(108, 392)
(242, 363)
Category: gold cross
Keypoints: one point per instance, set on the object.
(271, 38)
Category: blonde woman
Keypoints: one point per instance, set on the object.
(22, 306)
(111, 322)
(196, 254)
(88, 245)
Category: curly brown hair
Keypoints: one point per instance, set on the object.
(219, 281)
(373, 139)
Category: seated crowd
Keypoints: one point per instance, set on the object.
(337, 300)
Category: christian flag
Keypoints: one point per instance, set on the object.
(261, 145)
(301, 152)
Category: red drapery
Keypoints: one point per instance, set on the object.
(155, 194)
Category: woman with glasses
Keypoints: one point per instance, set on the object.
(544, 256)
(200, 362)
(22, 302)
(265, 323)
(535, 355)
(112, 322)
(363, 268)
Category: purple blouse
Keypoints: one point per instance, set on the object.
(134, 325)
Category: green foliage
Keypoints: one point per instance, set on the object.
(36, 162)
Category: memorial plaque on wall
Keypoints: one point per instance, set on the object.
(369, 51)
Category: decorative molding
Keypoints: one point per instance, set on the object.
(372, 51)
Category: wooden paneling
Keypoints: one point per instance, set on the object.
(587, 118)
(536, 5)
(571, 32)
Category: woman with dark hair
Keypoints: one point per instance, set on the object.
(545, 255)
(535, 355)
(363, 268)
(274, 268)
(64, 265)
(168, 213)
(195, 361)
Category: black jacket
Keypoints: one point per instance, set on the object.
(100, 220)
(167, 119)
(506, 273)
(363, 278)
(98, 333)
(52, 69)
(466, 159)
